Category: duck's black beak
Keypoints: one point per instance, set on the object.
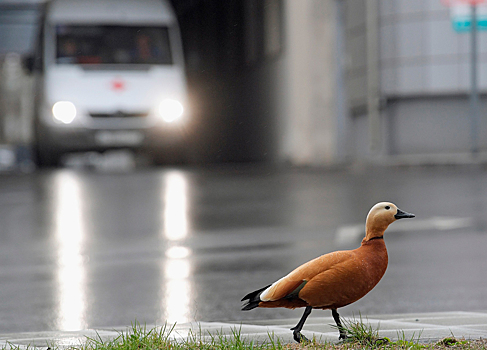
(403, 215)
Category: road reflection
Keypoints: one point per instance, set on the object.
(70, 236)
(175, 206)
(176, 267)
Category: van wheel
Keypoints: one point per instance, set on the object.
(169, 156)
(46, 157)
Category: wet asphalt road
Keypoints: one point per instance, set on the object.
(82, 248)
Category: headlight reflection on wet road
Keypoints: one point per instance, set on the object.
(175, 204)
(176, 268)
(70, 235)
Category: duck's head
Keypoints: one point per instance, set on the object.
(381, 216)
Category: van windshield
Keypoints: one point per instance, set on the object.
(97, 44)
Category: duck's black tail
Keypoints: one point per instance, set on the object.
(253, 299)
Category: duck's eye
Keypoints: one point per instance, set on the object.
(388, 207)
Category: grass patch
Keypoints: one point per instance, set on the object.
(362, 333)
(140, 338)
(360, 336)
(366, 337)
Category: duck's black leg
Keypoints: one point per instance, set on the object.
(336, 317)
(297, 329)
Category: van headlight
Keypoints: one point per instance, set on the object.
(64, 111)
(170, 110)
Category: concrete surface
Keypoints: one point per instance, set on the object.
(425, 327)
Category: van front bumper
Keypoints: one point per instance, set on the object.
(66, 139)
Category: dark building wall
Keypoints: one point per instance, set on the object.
(232, 76)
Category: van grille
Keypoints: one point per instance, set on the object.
(119, 114)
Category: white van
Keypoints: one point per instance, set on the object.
(112, 76)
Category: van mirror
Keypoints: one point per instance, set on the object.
(32, 63)
(28, 63)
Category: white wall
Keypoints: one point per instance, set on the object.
(311, 130)
(421, 54)
(424, 69)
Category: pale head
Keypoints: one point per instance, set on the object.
(381, 216)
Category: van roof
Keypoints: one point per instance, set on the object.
(110, 12)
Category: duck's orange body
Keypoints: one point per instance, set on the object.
(331, 281)
(336, 279)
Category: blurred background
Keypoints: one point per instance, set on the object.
(313, 82)
(160, 159)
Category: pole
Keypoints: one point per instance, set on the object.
(372, 35)
(474, 93)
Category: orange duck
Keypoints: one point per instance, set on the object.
(336, 279)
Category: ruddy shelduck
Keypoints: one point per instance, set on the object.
(336, 279)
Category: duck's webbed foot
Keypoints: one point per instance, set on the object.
(298, 336)
(297, 329)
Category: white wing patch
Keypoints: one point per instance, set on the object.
(265, 293)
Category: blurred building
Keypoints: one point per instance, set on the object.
(19, 23)
(331, 81)
(412, 93)
(275, 68)
(319, 82)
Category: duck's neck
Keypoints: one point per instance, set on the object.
(374, 232)
(375, 241)
(376, 237)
